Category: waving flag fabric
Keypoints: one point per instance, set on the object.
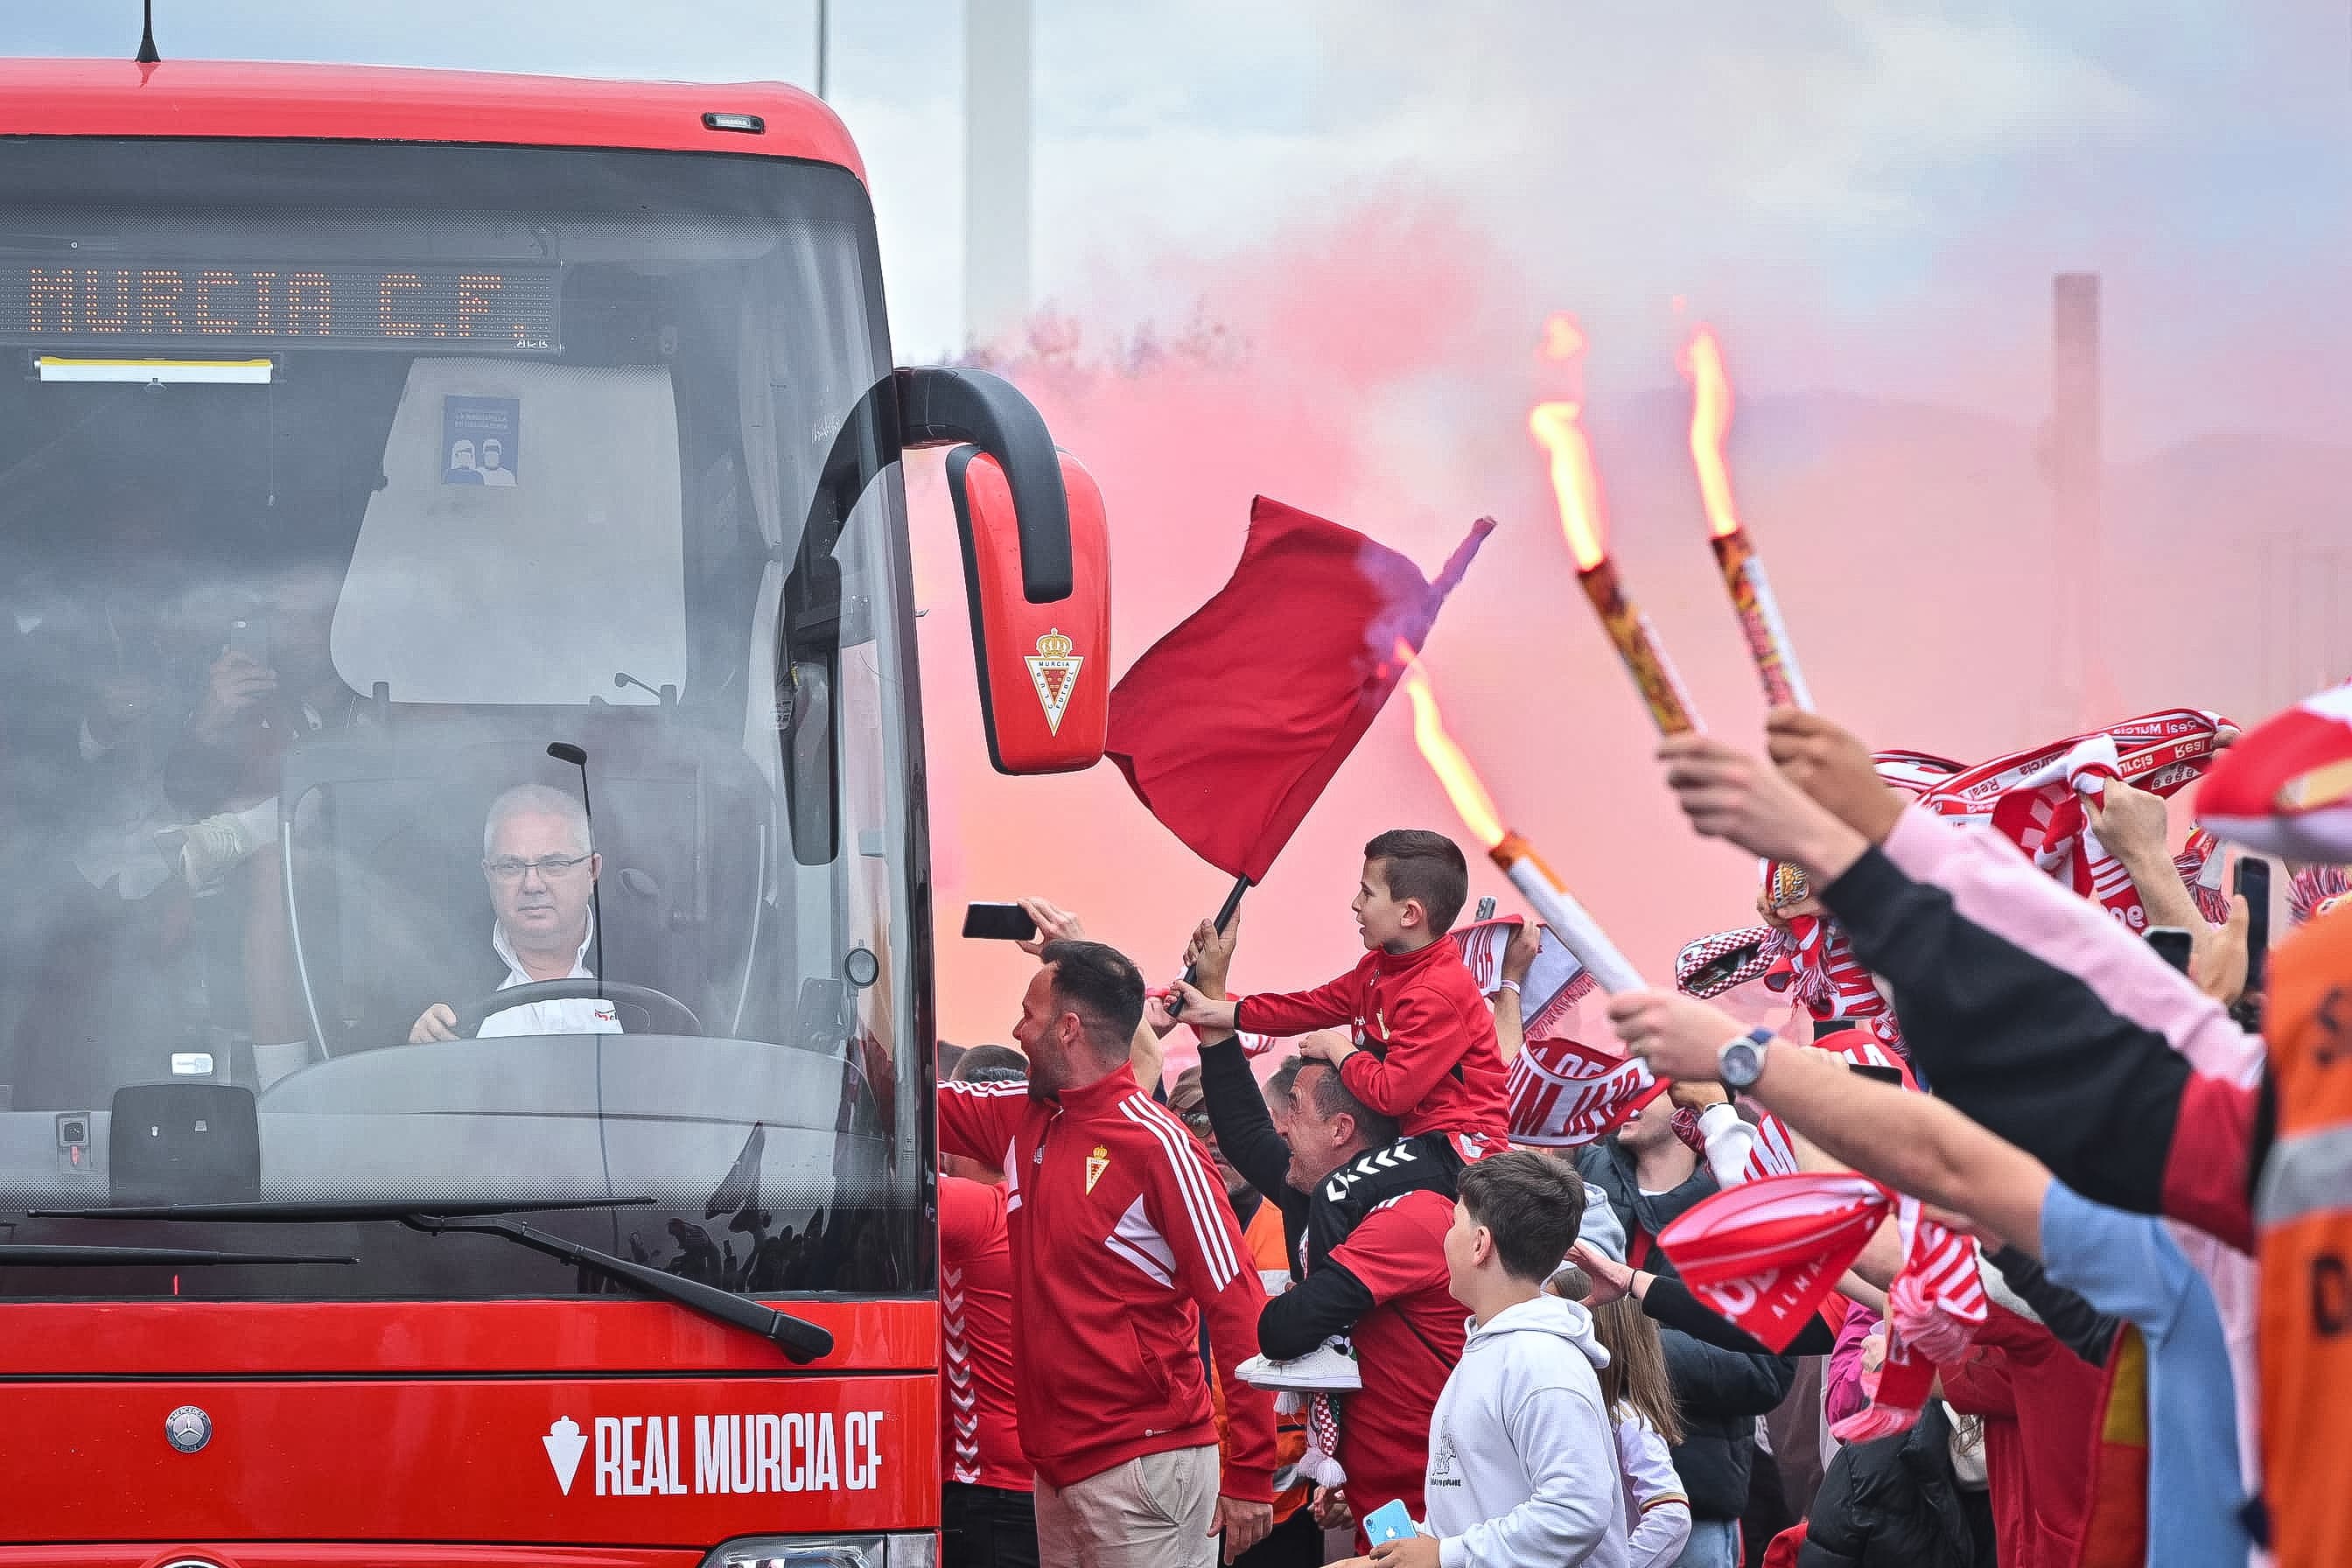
(1229, 726)
(1933, 1309)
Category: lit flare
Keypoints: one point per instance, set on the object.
(1517, 858)
(1752, 600)
(1710, 420)
(1574, 485)
(1471, 802)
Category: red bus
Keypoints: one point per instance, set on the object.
(464, 973)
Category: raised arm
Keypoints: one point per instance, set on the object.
(1510, 1020)
(1912, 1142)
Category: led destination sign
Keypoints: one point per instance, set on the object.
(292, 304)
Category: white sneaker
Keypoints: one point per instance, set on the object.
(212, 847)
(1325, 1369)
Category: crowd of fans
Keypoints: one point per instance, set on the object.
(1241, 1315)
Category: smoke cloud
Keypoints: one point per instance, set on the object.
(1868, 207)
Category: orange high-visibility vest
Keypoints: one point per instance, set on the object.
(2303, 1220)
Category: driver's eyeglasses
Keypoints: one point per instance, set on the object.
(511, 868)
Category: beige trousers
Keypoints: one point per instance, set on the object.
(1151, 1512)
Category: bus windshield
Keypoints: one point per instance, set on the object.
(411, 601)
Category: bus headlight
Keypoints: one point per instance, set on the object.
(826, 1551)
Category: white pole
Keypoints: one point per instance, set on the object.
(996, 184)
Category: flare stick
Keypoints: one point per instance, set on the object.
(1569, 921)
(1734, 553)
(1637, 643)
(1576, 488)
(1759, 619)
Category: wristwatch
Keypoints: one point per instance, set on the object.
(1741, 1061)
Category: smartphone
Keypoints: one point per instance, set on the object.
(2172, 944)
(999, 923)
(2254, 885)
(1891, 1076)
(1486, 909)
(1390, 1521)
(251, 639)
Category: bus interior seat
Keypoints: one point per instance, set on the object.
(537, 591)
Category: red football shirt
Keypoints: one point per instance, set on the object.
(980, 1431)
(1405, 1346)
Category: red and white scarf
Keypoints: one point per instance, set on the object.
(1564, 1094)
(1712, 965)
(1556, 981)
(2036, 799)
(2315, 890)
(1765, 1255)
(1934, 1308)
(1317, 1464)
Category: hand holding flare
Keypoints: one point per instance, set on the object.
(1743, 569)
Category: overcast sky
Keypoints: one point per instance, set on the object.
(1845, 179)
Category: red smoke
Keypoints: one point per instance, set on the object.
(1377, 371)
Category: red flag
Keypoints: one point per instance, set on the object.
(1229, 726)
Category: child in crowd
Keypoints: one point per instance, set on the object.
(1421, 1044)
(1523, 1464)
(1641, 1403)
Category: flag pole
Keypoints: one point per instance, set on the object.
(1224, 918)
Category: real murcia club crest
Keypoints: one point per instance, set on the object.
(1053, 671)
(1097, 1163)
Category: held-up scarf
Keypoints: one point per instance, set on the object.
(1564, 1094)
(1934, 1308)
(2036, 799)
(1765, 1254)
(1811, 961)
(1555, 982)
(2315, 890)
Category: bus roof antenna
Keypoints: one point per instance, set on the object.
(147, 55)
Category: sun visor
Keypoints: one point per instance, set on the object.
(526, 543)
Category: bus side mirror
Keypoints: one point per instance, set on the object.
(1044, 669)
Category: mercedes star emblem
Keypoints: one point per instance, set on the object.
(188, 1429)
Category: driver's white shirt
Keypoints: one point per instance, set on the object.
(572, 1016)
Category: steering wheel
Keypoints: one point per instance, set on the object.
(670, 1015)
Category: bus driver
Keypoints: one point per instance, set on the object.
(541, 869)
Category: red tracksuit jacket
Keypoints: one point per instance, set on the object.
(979, 1421)
(1428, 1055)
(1121, 1240)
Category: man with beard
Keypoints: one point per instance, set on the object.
(1123, 1247)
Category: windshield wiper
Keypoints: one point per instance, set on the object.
(329, 1212)
(41, 1255)
(801, 1341)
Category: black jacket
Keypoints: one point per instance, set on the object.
(1245, 1136)
(1893, 1503)
(1721, 1392)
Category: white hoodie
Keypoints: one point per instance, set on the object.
(1522, 1455)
